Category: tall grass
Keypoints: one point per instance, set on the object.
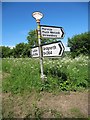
(62, 74)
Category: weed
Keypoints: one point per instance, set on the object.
(77, 113)
(56, 114)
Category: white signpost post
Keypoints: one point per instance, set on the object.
(51, 32)
(38, 16)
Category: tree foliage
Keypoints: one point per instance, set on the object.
(5, 51)
(32, 38)
(79, 44)
(21, 50)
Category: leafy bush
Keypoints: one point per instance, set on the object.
(71, 73)
(79, 44)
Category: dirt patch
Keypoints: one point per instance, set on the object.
(4, 75)
(64, 103)
(74, 104)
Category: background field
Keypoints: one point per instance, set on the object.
(63, 94)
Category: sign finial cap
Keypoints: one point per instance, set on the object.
(37, 15)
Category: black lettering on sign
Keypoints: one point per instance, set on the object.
(55, 32)
(54, 47)
(43, 34)
(45, 31)
(48, 29)
(43, 28)
(35, 51)
(35, 54)
(50, 52)
(44, 53)
(49, 48)
(47, 53)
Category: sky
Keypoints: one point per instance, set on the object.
(17, 19)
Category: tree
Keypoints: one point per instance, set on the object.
(33, 39)
(26, 51)
(79, 44)
(21, 50)
(5, 51)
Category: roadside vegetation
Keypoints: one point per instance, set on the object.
(26, 96)
(63, 74)
(64, 92)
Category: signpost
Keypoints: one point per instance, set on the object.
(49, 50)
(51, 32)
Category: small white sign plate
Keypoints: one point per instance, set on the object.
(54, 49)
(51, 32)
(35, 52)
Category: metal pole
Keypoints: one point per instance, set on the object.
(40, 50)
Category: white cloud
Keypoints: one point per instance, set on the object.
(67, 48)
(11, 47)
(8, 46)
